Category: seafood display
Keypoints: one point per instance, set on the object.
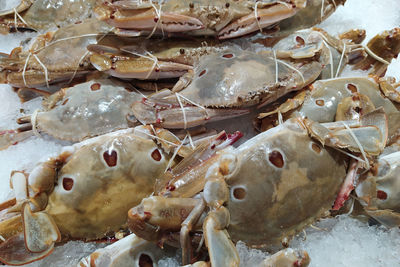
(130, 87)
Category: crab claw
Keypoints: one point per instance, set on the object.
(257, 20)
(148, 19)
(139, 68)
(174, 116)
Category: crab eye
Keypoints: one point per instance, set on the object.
(202, 73)
(67, 183)
(110, 158)
(228, 55)
(156, 155)
(95, 87)
(145, 260)
(276, 158)
(352, 88)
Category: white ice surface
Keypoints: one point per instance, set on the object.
(345, 242)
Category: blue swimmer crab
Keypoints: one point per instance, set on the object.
(86, 110)
(224, 19)
(53, 57)
(262, 192)
(44, 14)
(235, 77)
(86, 191)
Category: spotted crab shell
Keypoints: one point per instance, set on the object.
(222, 80)
(101, 181)
(89, 109)
(322, 103)
(282, 182)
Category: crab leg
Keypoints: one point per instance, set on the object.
(188, 226)
(264, 17)
(221, 249)
(347, 186)
(40, 230)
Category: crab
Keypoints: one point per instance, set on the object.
(224, 19)
(340, 99)
(44, 15)
(234, 78)
(86, 110)
(378, 189)
(53, 57)
(262, 192)
(86, 191)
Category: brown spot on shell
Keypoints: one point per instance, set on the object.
(276, 158)
(67, 183)
(239, 193)
(317, 149)
(95, 87)
(381, 194)
(228, 55)
(156, 155)
(145, 260)
(320, 102)
(202, 73)
(352, 88)
(300, 41)
(65, 101)
(110, 158)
